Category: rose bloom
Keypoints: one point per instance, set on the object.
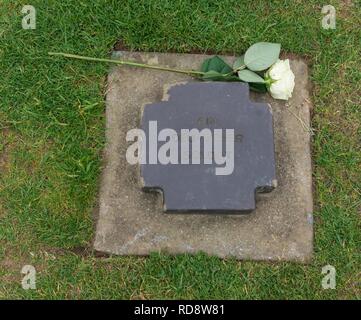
(281, 80)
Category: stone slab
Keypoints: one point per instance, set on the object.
(212, 108)
(132, 222)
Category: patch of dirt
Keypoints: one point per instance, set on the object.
(346, 9)
(11, 263)
(5, 147)
(14, 259)
(347, 2)
(120, 46)
(4, 150)
(84, 252)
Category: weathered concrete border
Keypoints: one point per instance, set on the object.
(131, 222)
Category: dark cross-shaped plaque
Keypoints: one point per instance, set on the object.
(196, 187)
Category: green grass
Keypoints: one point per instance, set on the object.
(52, 134)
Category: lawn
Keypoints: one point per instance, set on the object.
(52, 134)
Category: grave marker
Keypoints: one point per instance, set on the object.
(222, 110)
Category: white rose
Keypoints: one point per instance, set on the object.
(281, 80)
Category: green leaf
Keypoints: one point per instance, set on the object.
(238, 63)
(258, 87)
(250, 76)
(262, 55)
(217, 76)
(212, 75)
(216, 64)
